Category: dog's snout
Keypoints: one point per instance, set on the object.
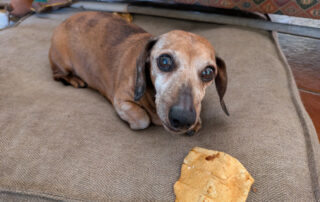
(182, 115)
(182, 118)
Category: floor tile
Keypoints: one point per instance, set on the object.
(304, 59)
(303, 55)
(311, 102)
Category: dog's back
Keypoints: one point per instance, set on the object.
(87, 45)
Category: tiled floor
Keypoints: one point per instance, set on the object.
(303, 55)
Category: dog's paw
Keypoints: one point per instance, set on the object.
(77, 82)
(140, 124)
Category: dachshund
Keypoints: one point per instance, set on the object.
(148, 79)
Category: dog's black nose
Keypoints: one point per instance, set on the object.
(181, 117)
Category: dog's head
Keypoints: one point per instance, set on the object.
(181, 65)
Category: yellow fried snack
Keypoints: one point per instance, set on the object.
(211, 176)
(127, 16)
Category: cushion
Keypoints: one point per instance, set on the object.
(62, 143)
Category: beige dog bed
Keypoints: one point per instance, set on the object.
(62, 143)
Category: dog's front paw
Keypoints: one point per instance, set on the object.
(140, 124)
(132, 113)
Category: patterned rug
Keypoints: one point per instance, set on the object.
(299, 8)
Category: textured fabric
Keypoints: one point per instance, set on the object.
(63, 143)
(299, 8)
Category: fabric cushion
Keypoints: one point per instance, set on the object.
(62, 143)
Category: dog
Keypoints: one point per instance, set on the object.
(148, 79)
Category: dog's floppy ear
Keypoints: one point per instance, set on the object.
(142, 62)
(221, 82)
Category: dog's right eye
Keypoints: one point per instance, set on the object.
(165, 63)
(207, 74)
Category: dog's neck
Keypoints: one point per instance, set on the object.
(149, 99)
(150, 91)
(150, 105)
(149, 84)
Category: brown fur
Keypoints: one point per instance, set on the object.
(117, 58)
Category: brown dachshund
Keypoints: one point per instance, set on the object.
(147, 79)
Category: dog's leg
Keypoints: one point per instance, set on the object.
(64, 74)
(133, 114)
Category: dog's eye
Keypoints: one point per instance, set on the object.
(207, 74)
(165, 63)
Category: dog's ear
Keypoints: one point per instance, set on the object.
(221, 82)
(142, 62)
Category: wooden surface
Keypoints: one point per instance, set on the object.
(303, 55)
